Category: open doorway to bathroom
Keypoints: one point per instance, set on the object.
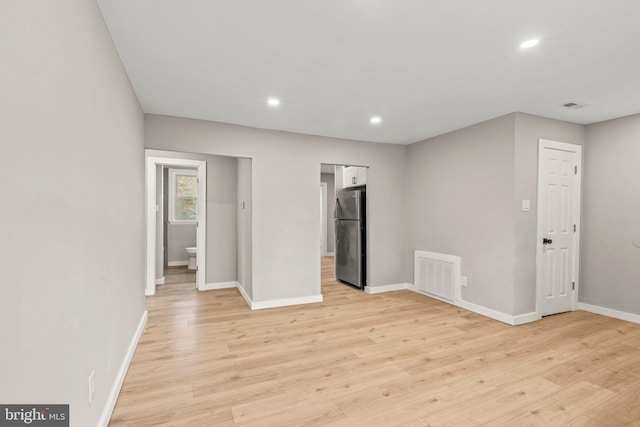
(224, 244)
(176, 262)
(176, 219)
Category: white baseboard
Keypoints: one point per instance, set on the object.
(610, 312)
(484, 311)
(259, 305)
(488, 312)
(160, 281)
(218, 285)
(521, 319)
(386, 288)
(177, 263)
(330, 254)
(244, 294)
(117, 385)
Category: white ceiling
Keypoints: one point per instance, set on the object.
(425, 66)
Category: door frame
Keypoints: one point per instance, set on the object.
(201, 233)
(572, 148)
(324, 220)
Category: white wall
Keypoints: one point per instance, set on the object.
(221, 217)
(610, 267)
(286, 213)
(72, 222)
(245, 245)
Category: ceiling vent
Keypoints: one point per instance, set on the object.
(573, 105)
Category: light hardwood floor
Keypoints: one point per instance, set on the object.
(397, 358)
(179, 274)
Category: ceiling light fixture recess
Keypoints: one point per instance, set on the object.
(375, 120)
(529, 43)
(273, 102)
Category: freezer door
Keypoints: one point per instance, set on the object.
(348, 250)
(348, 204)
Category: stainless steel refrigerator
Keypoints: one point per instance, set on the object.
(350, 225)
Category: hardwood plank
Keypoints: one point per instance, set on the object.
(396, 358)
(558, 408)
(622, 409)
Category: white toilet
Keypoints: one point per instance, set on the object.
(192, 257)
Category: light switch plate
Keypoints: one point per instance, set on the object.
(526, 205)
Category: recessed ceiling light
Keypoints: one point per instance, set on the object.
(375, 120)
(529, 43)
(274, 102)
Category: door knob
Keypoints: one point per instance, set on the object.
(546, 241)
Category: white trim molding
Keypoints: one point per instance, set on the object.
(479, 309)
(485, 311)
(244, 294)
(285, 302)
(107, 411)
(218, 285)
(260, 305)
(160, 281)
(386, 288)
(330, 254)
(177, 263)
(610, 312)
(521, 319)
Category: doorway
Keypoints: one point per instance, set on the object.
(154, 209)
(558, 235)
(343, 231)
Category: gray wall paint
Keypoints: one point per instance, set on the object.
(528, 130)
(73, 244)
(339, 178)
(286, 214)
(180, 237)
(459, 202)
(465, 190)
(221, 215)
(331, 204)
(610, 271)
(245, 273)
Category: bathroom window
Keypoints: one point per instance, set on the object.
(183, 196)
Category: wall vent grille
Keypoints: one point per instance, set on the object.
(573, 105)
(437, 274)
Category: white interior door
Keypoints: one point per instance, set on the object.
(558, 226)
